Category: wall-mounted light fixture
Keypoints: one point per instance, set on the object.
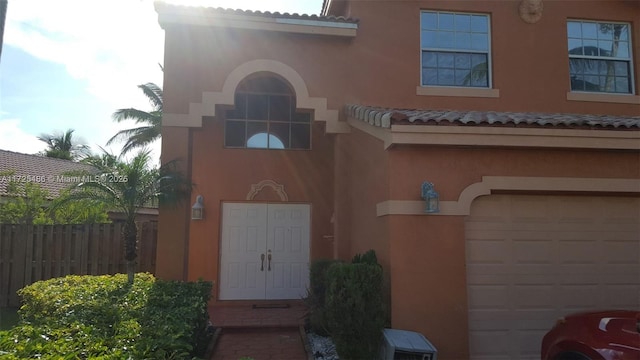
(431, 198)
(197, 210)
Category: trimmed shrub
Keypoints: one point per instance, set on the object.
(316, 296)
(367, 258)
(355, 309)
(81, 317)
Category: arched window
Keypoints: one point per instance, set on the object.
(265, 117)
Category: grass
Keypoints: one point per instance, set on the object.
(8, 318)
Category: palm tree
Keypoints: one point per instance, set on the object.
(101, 161)
(129, 186)
(141, 136)
(63, 146)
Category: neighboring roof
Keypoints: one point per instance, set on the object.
(385, 117)
(248, 19)
(50, 173)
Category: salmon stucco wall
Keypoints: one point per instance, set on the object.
(428, 280)
(530, 65)
(226, 175)
(427, 253)
(362, 180)
(346, 175)
(453, 169)
(201, 59)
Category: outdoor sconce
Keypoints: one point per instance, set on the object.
(431, 198)
(197, 210)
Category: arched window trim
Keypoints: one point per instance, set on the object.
(267, 111)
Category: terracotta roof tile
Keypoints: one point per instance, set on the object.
(385, 117)
(40, 169)
(239, 12)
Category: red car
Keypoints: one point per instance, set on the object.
(603, 335)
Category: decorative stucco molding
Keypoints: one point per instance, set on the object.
(226, 97)
(604, 98)
(278, 188)
(457, 91)
(531, 11)
(462, 206)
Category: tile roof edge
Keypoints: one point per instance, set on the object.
(163, 6)
(368, 113)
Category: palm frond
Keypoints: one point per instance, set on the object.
(154, 93)
(143, 137)
(133, 114)
(125, 134)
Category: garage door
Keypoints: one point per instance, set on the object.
(532, 259)
(264, 251)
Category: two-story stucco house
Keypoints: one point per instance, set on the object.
(311, 136)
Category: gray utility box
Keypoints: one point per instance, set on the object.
(406, 345)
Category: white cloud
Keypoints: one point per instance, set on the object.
(112, 45)
(15, 139)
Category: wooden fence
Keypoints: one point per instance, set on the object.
(29, 253)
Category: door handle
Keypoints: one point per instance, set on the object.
(262, 264)
(269, 262)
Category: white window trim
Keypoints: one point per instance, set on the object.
(488, 52)
(630, 60)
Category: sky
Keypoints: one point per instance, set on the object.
(69, 64)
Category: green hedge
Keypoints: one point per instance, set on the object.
(82, 317)
(355, 308)
(316, 296)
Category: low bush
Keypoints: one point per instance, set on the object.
(82, 317)
(316, 296)
(367, 258)
(355, 308)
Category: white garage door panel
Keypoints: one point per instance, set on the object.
(532, 259)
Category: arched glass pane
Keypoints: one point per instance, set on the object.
(263, 114)
(264, 141)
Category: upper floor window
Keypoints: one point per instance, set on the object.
(265, 117)
(600, 57)
(455, 49)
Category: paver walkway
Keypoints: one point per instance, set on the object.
(260, 344)
(247, 316)
(258, 333)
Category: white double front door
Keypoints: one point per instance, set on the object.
(264, 251)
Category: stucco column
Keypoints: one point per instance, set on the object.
(173, 223)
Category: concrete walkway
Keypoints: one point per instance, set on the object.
(258, 333)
